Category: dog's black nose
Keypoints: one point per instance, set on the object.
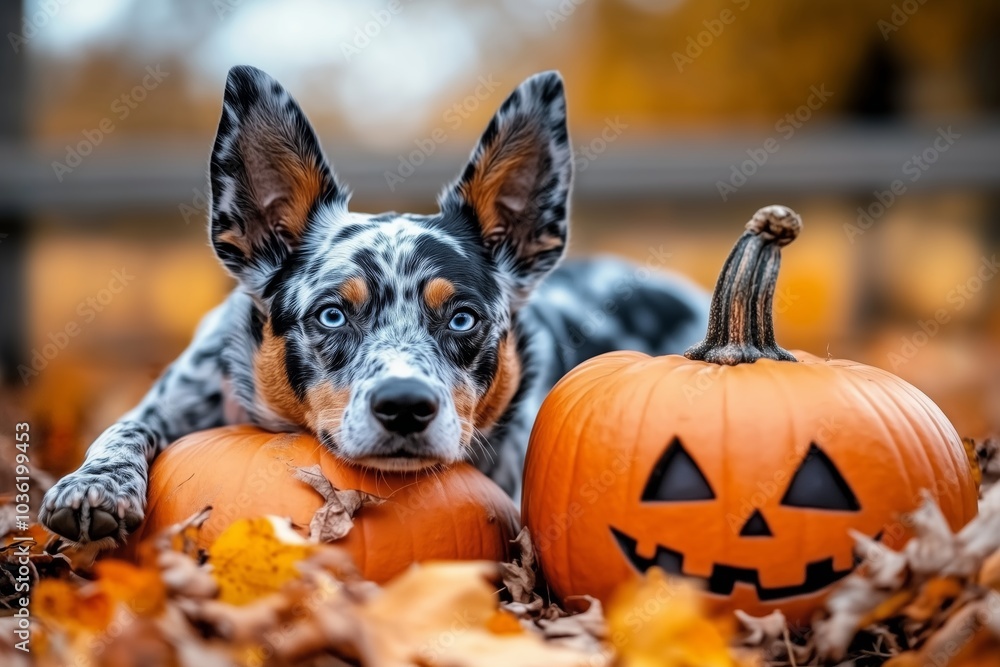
(404, 406)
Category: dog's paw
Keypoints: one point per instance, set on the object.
(93, 506)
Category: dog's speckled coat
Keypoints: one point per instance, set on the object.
(331, 302)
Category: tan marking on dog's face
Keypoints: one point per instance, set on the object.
(271, 378)
(354, 291)
(325, 407)
(465, 407)
(437, 292)
(502, 390)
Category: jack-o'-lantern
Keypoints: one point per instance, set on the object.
(738, 464)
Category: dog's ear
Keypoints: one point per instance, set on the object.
(517, 182)
(268, 174)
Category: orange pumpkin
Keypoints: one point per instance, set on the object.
(241, 471)
(738, 464)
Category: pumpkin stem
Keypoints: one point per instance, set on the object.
(740, 324)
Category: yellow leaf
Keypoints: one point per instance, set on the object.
(255, 557)
(658, 621)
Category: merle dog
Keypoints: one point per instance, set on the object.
(400, 341)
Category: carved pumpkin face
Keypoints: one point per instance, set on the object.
(814, 492)
(747, 477)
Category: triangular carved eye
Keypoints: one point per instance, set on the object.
(819, 485)
(676, 477)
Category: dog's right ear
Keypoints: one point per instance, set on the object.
(268, 175)
(517, 182)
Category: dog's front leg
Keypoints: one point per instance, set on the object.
(103, 501)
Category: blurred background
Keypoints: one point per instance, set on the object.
(879, 122)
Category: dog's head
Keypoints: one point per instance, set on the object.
(388, 336)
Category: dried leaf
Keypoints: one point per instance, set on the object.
(888, 608)
(762, 630)
(852, 601)
(332, 626)
(10, 656)
(78, 610)
(519, 576)
(585, 631)
(184, 535)
(242, 624)
(444, 614)
(182, 576)
(141, 589)
(980, 537)
(481, 648)
(335, 518)
(255, 557)
(935, 588)
(988, 457)
(525, 611)
(933, 546)
(884, 568)
(970, 451)
(30, 554)
(134, 642)
(933, 596)
(989, 574)
(181, 537)
(962, 640)
(991, 602)
(907, 659)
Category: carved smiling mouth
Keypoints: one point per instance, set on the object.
(819, 574)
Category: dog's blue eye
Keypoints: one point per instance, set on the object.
(463, 320)
(332, 318)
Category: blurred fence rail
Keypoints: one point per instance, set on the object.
(835, 159)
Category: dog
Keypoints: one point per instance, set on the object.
(401, 341)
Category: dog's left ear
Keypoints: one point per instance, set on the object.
(268, 174)
(517, 182)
